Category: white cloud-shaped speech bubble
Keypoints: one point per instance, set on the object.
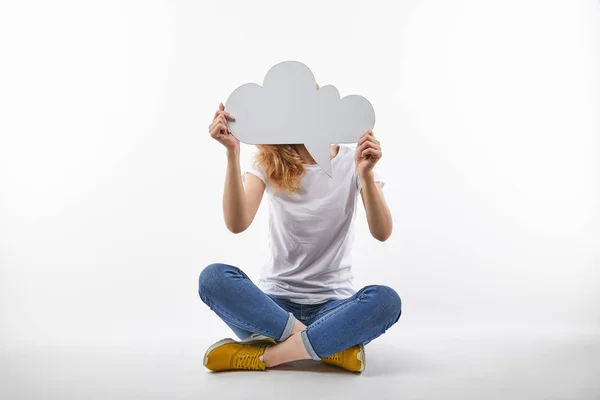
(288, 109)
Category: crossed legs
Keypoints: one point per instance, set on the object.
(229, 292)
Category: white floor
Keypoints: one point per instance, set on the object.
(402, 365)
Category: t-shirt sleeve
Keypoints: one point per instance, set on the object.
(378, 178)
(252, 169)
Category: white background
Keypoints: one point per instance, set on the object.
(110, 186)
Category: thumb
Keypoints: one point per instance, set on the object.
(221, 106)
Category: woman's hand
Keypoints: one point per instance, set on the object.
(368, 152)
(219, 129)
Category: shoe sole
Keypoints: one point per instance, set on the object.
(362, 358)
(221, 342)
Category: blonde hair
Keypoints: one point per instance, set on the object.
(282, 165)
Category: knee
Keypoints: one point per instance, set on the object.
(211, 277)
(388, 303)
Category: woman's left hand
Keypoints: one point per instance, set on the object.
(368, 152)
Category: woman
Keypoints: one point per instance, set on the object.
(304, 306)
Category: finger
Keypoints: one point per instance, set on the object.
(221, 106)
(221, 119)
(215, 132)
(374, 153)
(369, 138)
(219, 128)
(218, 133)
(365, 145)
(362, 138)
(225, 123)
(358, 153)
(374, 143)
(225, 113)
(214, 123)
(368, 135)
(223, 127)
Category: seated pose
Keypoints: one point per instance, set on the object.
(304, 306)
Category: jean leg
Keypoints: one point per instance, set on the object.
(230, 293)
(289, 306)
(363, 317)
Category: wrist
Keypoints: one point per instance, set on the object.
(367, 177)
(233, 154)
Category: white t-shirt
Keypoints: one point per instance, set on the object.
(311, 233)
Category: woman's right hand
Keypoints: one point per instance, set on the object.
(219, 129)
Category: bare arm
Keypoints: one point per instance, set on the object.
(240, 202)
(378, 213)
(379, 217)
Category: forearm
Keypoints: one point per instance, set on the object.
(234, 196)
(379, 217)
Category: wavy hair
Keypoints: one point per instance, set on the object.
(282, 165)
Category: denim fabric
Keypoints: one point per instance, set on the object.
(331, 326)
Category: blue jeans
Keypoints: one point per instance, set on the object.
(332, 326)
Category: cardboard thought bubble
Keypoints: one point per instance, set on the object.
(289, 109)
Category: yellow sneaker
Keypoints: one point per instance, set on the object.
(228, 354)
(351, 359)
